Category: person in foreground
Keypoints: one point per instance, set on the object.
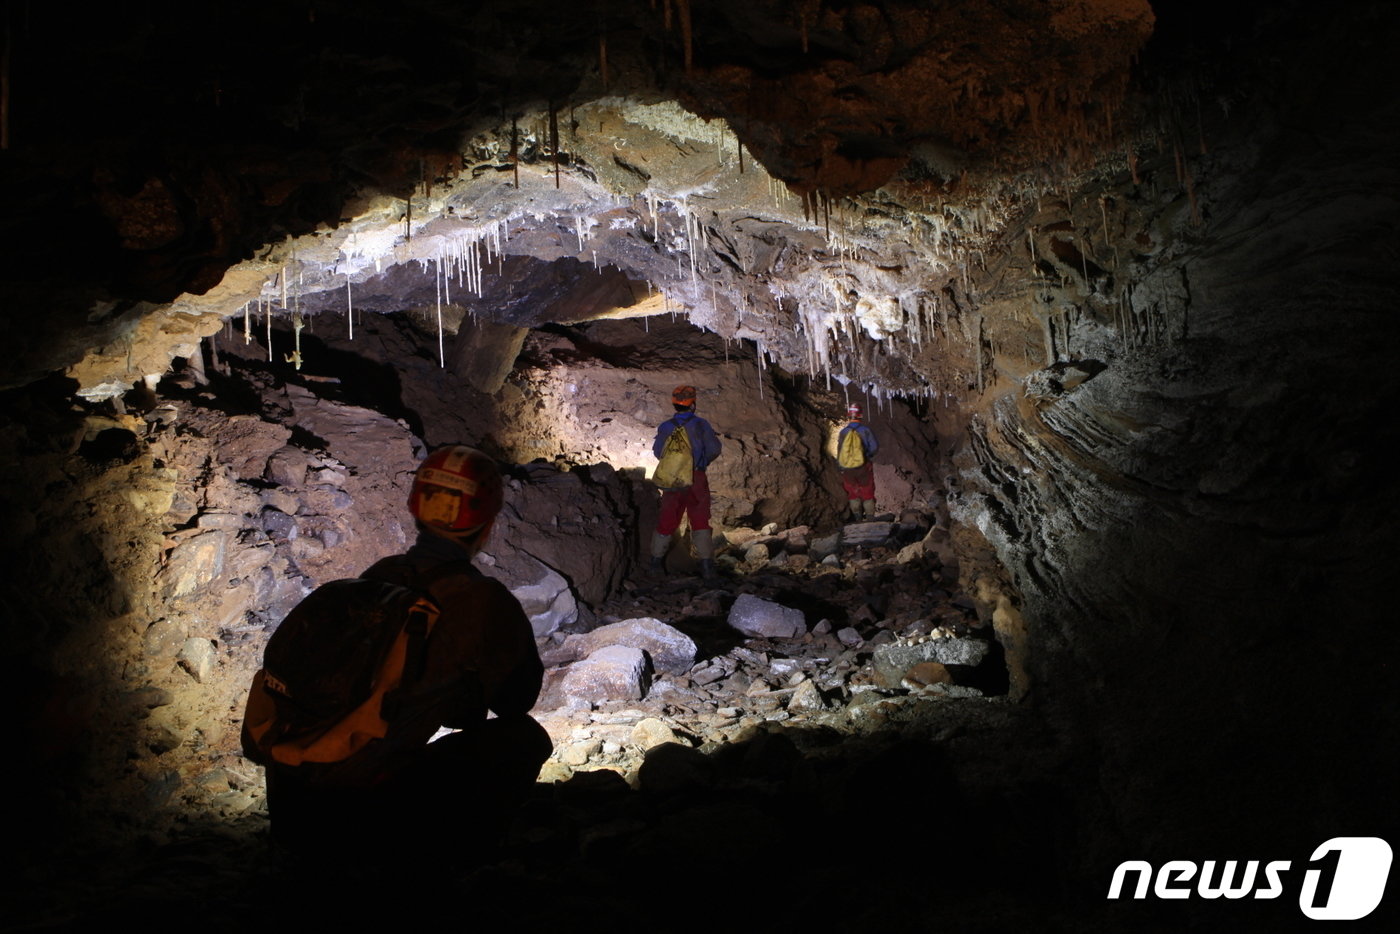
(439, 645)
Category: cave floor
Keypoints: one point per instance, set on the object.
(878, 807)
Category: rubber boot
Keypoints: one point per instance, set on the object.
(853, 511)
(869, 509)
(659, 544)
(704, 542)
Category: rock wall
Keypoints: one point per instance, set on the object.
(1181, 483)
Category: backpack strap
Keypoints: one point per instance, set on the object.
(418, 627)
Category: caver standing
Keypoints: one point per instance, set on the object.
(855, 447)
(685, 492)
(477, 655)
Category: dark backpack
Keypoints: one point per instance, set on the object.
(334, 669)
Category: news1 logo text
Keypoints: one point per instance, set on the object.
(1344, 880)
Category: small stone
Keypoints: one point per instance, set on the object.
(194, 563)
(822, 627)
(197, 658)
(831, 561)
(820, 548)
(652, 732)
(785, 667)
(756, 554)
(287, 467)
(707, 675)
(611, 748)
(164, 638)
(579, 753)
(279, 525)
(798, 539)
(849, 637)
(754, 616)
(807, 697)
(867, 533)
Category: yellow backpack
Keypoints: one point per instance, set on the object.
(851, 452)
(674, 470)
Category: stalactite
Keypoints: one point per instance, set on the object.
(554, 141)
(294, 358)
(349, 307)
(247, 325)
(683, 8)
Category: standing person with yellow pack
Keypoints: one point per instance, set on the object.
(685, 445)
(855, 446)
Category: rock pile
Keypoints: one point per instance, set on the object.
(846, 645)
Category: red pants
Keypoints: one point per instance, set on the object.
(694, 501)
(859, 481)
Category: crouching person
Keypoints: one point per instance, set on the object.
(361, 676)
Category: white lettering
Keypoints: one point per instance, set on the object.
(1272, 873)
(1142, 868)
(1183, 869)
(1357, 884)
(1227, 875)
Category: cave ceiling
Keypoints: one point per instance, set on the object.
(831, 181)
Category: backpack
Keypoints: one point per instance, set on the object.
(851, 452)
(334, 668)
(674, 470)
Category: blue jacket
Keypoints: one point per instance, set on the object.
(704, 444)
(867, 439)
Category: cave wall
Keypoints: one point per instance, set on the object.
(1183, 485)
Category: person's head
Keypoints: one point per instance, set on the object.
(456, 495)
(683, 398)
(853, 412)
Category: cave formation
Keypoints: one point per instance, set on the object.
(1110, 275)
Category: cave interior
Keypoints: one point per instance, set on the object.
(1110, 278)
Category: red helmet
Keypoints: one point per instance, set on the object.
(456, 489)
(853, 410)
(683, 395)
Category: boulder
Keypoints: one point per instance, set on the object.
(543, 592)
(614, 672)
(754, 616)
(867, 533)
(670, 649)
(892, 662)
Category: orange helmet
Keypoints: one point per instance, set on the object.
(853, 410)
(683, 395)
(457, 490)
